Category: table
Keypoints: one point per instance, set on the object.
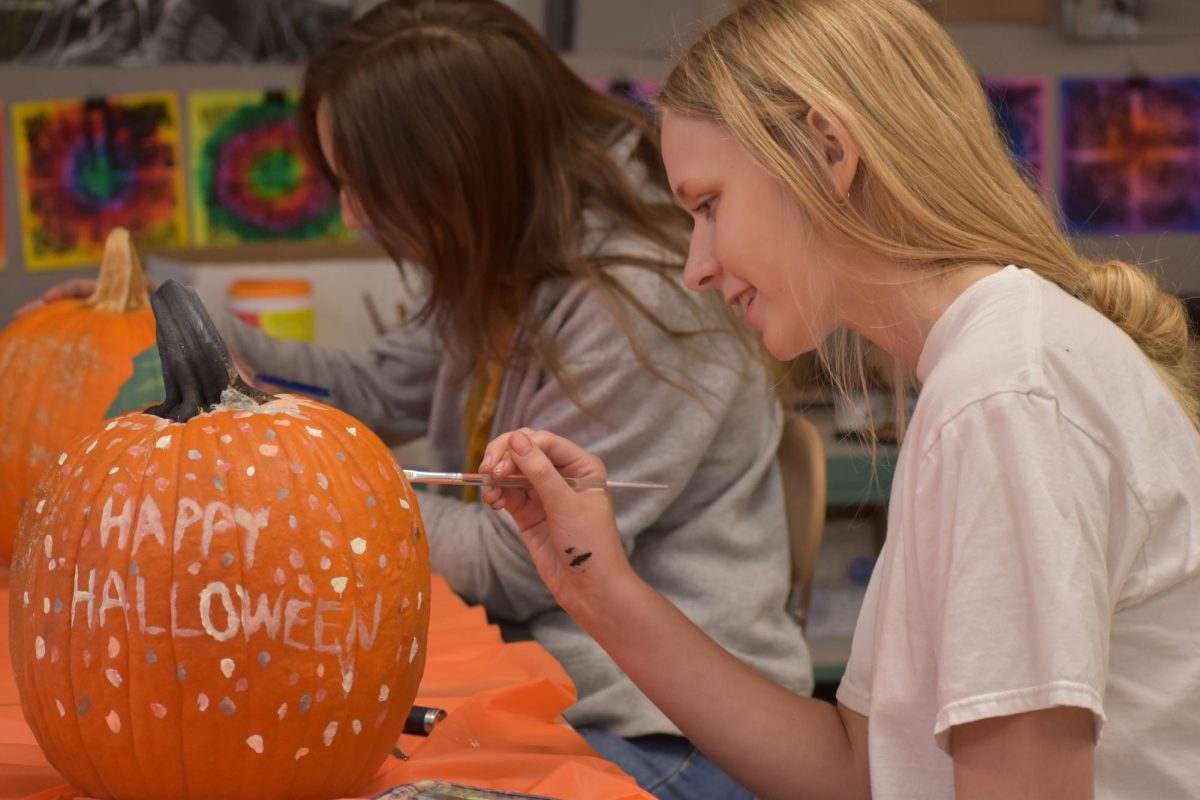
(504, 731)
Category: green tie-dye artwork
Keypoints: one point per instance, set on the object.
(144, 387)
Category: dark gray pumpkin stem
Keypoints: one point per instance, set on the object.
(196, 366)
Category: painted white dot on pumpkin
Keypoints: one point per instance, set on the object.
(191, 476)
(226, 438)
(326, 563)
(306, 585)
(250, 471)
(384, 691)
(404, 504)
(92, 446)
(194, 454)
(114, 470)
(281, 712)
(62, 457)
(114, 677)
(317, 432)
(110, 425)
(320, 670)
(412, 651)
(330, 732)
(322, 481)
(382, 562)
(48, 545)
(356, 726)
(39, 648)
(161, 484)
(114, 721)
(418, 601)
(227, 667)
(301, 753)
(202, 701)
(348, 681)
(50, 566)
(255, 743)
(338, 584)
(358, 545)
(87, 658)
(280, 577)
(328, 539)
(352, 431)
(62, 711)
(194, 568)
(45, 605)
(296, 558)
(158, 710)
(114, 647)
(25, 599)
(163, 442)
(268, 449)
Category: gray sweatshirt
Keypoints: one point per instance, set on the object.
(715, 545)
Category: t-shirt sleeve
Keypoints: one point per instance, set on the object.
(1010, 559)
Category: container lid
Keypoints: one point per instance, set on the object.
(270, 288)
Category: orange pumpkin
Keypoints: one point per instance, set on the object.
(69, 366)
(225, 596)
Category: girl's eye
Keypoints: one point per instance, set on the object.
(704, 207)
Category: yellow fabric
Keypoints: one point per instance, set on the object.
(478, 417)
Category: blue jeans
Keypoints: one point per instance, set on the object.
(668, 767)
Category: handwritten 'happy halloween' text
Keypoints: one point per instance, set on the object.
(221, 609)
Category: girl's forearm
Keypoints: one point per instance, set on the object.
(773, 741)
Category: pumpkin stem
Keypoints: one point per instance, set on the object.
(196, 366)
(121, 286)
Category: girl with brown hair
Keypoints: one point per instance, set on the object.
(539, 213)
(1029, 630)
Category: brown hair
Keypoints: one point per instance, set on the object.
(474, 151)
(936, 188)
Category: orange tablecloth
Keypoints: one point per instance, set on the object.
(504, 730)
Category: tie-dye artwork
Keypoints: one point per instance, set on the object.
(1131, 154)
(87, 166)
(1020, 106)
(250, 179)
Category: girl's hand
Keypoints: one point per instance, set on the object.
(571, 534)
(76, 289)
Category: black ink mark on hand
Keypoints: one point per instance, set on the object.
(569, 550)
(577, 560)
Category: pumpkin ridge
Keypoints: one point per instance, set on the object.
(330, 464)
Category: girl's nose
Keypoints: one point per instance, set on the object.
(701, 268)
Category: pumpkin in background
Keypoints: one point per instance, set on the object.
(225, 596)
(68, 366)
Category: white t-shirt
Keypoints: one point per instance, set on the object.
(1043, 549)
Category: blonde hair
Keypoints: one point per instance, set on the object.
(936, 186)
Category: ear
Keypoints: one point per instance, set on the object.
(840, 153)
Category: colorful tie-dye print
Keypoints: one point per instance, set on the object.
(1131, 154)
(251, 182)
(86, 167)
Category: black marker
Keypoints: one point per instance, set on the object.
(421, 720)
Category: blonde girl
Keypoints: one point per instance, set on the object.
(1029, 630)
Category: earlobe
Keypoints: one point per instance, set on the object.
(840, 153)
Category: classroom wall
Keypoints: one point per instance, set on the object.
(634, 38)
